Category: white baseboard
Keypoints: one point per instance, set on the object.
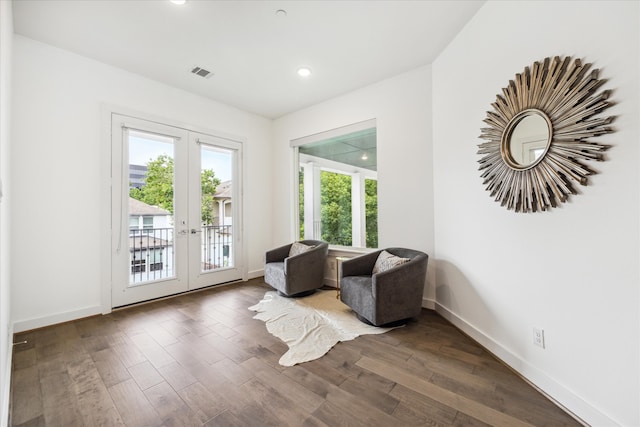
(6, 387)
(255, 274)
(581, 410)
(40, 322)
(428, 303)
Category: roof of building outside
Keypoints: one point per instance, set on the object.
(138, 208)
(223, 191)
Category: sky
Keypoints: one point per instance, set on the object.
(141, 150)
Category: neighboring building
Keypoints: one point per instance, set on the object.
(143, 216)
(137, 175)
(150, 242)
(223, 196)
(217, 239)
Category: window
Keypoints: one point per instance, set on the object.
(134, 222)
(338, 186)
(147, 222)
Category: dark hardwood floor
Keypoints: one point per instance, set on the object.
(201, 359)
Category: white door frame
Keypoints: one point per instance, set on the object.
(106, 235)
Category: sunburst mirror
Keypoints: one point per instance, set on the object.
(539, 131)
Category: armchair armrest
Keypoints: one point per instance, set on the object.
(278, 254)
(361, 265)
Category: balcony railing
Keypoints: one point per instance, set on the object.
(151, 254)
(152, 257)
(216, 247)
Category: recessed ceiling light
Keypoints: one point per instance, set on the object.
(178, 1)
(281, 13)
(304, 71)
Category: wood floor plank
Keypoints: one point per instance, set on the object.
(447, 397)
(145, 375)
(35, 422)
(133, 405)
(94, 401)
(202, 349)
(26, 397)
(234, 372)
(299, 395)
(280, 406)
(124, 348)
(222, 330)
(308, 380)
(313, 421)
(170, 407)
(24, 359)
(338, 417)
(326, 371)
(157, 355)
(195, 327)
(177, 376)
(227, 348)
(362, 409)
(255, 414)
(110, 367)
(416, 408)
(225, 419)
(160, 334)
(374, 397)
(202, 402)
(60, 407)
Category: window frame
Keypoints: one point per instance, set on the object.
(295, 145)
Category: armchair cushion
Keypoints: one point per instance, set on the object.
(387, 261)
(298, 248)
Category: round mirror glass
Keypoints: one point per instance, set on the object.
(528, 138)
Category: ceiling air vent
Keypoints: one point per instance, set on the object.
(198, 71)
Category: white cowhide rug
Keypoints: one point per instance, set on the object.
(311, 325)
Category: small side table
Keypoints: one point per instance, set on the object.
(339, 260)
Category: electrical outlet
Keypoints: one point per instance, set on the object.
(538, 337)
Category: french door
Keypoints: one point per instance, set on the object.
(175, 216)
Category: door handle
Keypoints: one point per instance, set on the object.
(194, 231)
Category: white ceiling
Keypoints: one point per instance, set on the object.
(253, 52)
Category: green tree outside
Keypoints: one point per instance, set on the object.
(335, 195)
(158, 188)
(371, 212)
(335, 202)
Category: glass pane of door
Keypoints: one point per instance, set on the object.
(151, 207)
(216, 206)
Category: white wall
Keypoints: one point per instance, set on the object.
(402, 108)
(573, 271)
(6, 333)
(56, 168)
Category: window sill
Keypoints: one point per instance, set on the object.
(336, 251)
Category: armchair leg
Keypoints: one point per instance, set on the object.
(394, 324)
(298, 295)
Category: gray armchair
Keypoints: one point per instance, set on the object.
(297, 275)
(389, 297)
